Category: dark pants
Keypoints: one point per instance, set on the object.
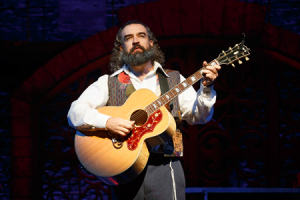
(155, 182)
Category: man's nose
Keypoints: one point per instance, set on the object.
(135, 40)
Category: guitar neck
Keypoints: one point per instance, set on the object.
(178, 89)
(226, 57)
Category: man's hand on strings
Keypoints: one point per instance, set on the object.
(210, 73)
(118, 126)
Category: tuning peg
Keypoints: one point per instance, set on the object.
(240, 62)
(233, 65)
(246, 58)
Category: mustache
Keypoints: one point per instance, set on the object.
(137, 46)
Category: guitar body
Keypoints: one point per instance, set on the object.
(116, 165)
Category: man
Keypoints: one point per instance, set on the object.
(136, 61)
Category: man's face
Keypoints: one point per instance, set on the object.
(135, 38)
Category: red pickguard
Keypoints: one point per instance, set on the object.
(138, 132)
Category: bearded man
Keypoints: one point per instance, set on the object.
(136, 64)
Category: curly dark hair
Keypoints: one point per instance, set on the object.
(116, 61)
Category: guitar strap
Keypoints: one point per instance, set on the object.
(175, 148)
(164, 86)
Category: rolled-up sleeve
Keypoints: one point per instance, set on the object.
(83, 113)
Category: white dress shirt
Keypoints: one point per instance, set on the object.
(195, 107)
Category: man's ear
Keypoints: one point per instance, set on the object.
(121, 48)
(151, 43)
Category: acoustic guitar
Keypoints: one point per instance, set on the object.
(119, 160)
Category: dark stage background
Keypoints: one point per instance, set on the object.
(52, 50)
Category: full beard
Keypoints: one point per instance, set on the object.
(138, 58)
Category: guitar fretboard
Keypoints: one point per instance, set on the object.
(175, 91)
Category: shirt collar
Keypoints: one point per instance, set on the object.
(125, 68)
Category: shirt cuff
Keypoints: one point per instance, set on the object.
(206, 91)
(100, 121)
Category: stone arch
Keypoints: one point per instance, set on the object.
(173, 22)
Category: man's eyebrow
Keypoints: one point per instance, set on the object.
(125, 36)
(139, 33)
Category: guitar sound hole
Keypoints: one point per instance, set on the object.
(139, 116)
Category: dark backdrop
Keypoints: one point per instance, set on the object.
(254, 102)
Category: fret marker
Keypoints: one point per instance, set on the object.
(154, 105)
(167, 96)
(158, 102)
(184, 84)
(193, 78)
(177, 90)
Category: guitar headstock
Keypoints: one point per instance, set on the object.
(234, 54)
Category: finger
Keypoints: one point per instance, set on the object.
(119, 133)
(128, 124)
(124, 121)
(218, 67)
(211, 76)
(212, 69)
(205, 72)
(215, 67)
(205, 64)
(123, 131)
